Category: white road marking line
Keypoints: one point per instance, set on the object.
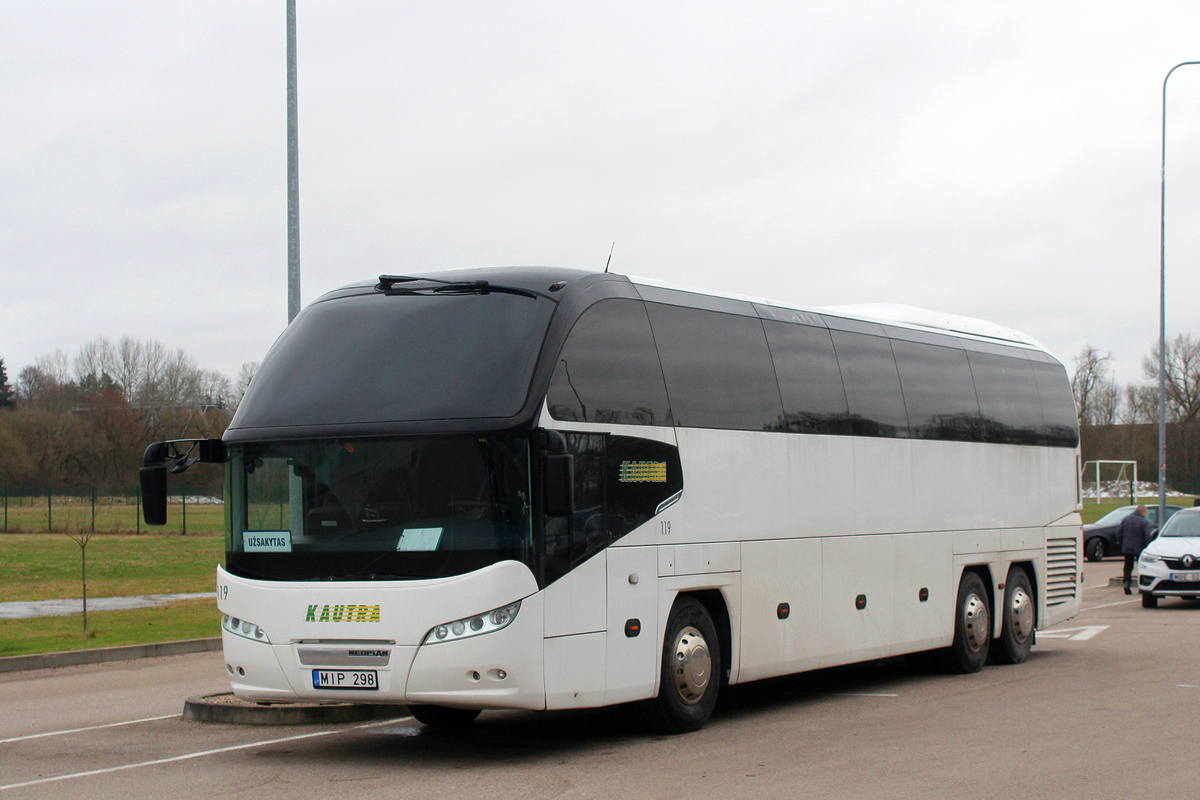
(89, 728)
(1186, 686)
(189, 756)
(1081, 634)
(1107, 605)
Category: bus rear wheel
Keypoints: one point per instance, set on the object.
(443, 717)
(691, 671)
(972, 627)
(1016, 631)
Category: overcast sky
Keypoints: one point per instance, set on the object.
(995, 160)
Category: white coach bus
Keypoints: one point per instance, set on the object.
(546, 489)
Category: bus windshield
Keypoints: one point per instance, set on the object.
(377, 509)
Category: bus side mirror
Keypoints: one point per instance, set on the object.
(154, 484)
(558, 484)
(154, 495)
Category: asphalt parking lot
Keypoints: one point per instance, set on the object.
(1105, 707)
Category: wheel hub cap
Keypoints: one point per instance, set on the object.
(975, 615)
(1021, 615)
(692, 665)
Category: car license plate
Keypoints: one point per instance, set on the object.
(1186, 577)
(345, 679)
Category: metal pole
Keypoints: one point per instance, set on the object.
(1162, 312)
(137, 520)
(83, 573)
(293, 170)
(93, 508)
(183, 499)
(49, 512)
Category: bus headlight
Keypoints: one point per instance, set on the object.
(244, 628)
(477, 625)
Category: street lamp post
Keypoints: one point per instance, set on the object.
(293, 170)
(1162, 313)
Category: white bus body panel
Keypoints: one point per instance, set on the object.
(508, 661)
(815, 521)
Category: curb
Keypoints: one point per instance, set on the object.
(101, 655)
(226, 708)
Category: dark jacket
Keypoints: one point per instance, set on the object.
(1134, 533)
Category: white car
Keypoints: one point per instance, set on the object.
(1170, 565)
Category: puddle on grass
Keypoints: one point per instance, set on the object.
(24, 609)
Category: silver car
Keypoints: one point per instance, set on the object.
(1170, 565)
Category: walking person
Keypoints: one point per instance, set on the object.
(1134, 533)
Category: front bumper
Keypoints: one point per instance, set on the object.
(1159, 579)
(499, 669)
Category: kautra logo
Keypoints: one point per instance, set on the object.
(346, 613)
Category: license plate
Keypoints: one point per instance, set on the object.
(345, 679)
(1185, 577)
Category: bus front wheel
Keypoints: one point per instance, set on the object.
(691, 671)
(972, 627)
(444, 717)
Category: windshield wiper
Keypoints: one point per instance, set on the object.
(388, 285)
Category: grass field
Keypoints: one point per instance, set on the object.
(1092, 511)
(46, 566)
(190, 619)
(112, 515)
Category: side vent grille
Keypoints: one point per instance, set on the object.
(1062, 570)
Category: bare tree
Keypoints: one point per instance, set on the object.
(245, 375)
(215, 389)
(1106, 403)
(95, 358)
(1140, 406)
(1091, 380)
(15, 465)
(1182, 377)
(81, 536)
(1182, 380)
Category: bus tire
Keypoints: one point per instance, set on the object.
(443, 717)
(691, 671)
(1016, 627)
(972, 627)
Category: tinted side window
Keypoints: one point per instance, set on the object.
(938, 392)
(718, 369)
(608, 369)
(620, 483)
(1008, 398)
(810, 382)
(642, 475)
(569, 540)
(872, 384)
(1058, 405)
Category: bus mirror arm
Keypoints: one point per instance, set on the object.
(153, 474)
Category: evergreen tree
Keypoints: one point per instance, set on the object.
(6, 392)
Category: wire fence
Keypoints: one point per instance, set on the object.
(105, 509)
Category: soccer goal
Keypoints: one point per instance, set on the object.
(1107, 480)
